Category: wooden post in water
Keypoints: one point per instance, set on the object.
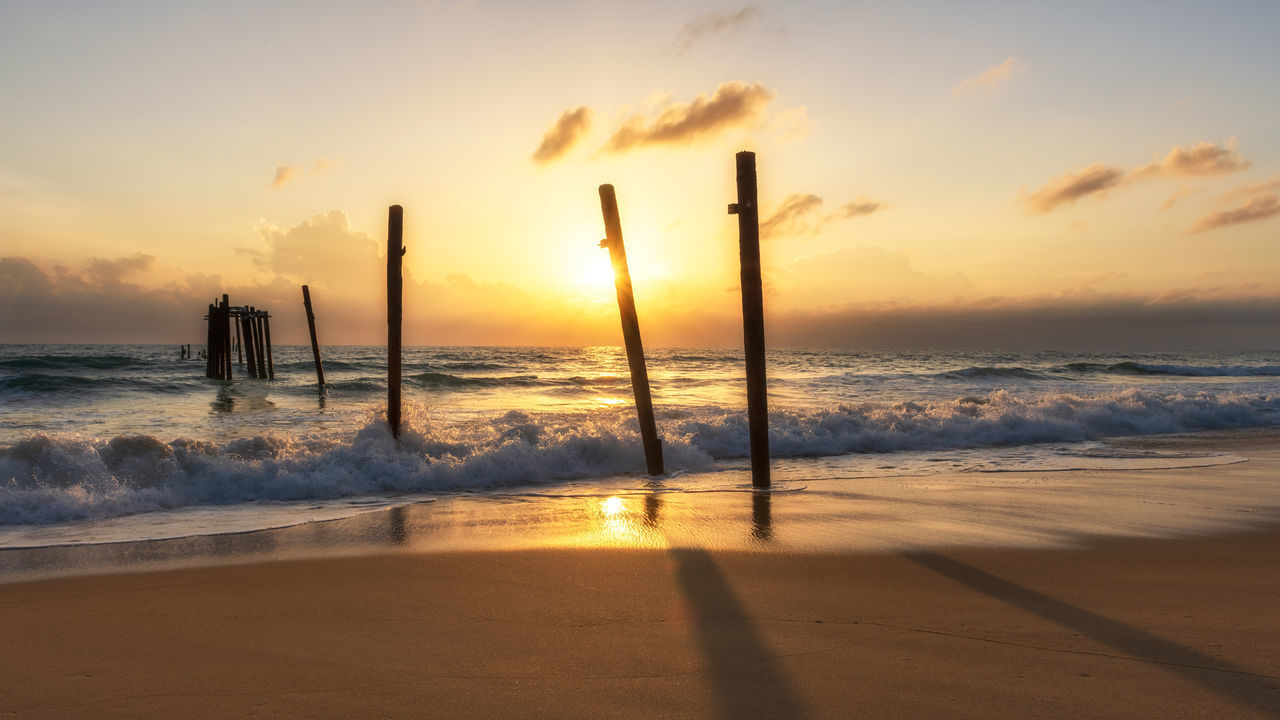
(395, 308)
(259, 341)
(266, 339)
(249, 345)
(630, 329)
(208, 342)
(753, 317)
(224, 337)
(311, 325)
(238, 348)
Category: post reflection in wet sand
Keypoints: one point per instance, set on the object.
(762, 516)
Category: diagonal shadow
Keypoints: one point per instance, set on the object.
(1213, 674)
(748, 681)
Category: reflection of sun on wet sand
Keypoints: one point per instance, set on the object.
(629, 605)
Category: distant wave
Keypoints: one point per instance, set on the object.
(447, 381)
(1120, 368)
(53, 478)
(64, 362)
(993, 371)
(42, 384)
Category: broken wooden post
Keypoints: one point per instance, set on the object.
(251, 365)
(630, 329)
(311, 325)
(395, 288)
(753, 317)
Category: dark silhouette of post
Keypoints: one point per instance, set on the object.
(395, 307)
(266, 338)
(246, 321)
(224, 337)
(258, 340)
(311, 325)
(753, 317)
(238, 347)
(208, 342)
(630, 329)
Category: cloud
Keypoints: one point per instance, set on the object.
(113, 271)
(1064, 190)
(284, 174)
(732, 104)
(713, 23)
(790, 217)
(567, 130)
(1257, 208)
(793, 215)
(1205, 158)
(857, 208)
(1096, 323)
(322, 250)
(989, 79)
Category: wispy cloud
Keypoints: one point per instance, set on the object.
(989, 79)
(568, 129)
(733, 104)
(713, 23)
(1066, 189)
(799, 214)
(284, 175)
(1200, 160)
(791, 216)
(1257, 208)
(1205, 158)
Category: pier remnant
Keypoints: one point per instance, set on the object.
(395, 316)
(250, 325)
(311, 325)
(630, 329)
(748, 214)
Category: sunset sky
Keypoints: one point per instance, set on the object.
(1086, 174)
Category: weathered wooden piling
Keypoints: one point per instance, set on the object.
(250, 347)
(630, 329)
(224, 336)
(259, 341)
(208, 343)
(753, 316)
(311, 325)
(266, 338)
(238, 347)
(395, 307)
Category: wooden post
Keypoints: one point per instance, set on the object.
(753, 317)
(238, 350)
(224, 337)
(395, 307)
(630, 329)
(258, 339)
(266, 333)
(208, 342)
(311, 325)
(250, 364)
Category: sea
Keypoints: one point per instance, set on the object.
(111, 443)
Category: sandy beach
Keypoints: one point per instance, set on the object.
(1158, 626)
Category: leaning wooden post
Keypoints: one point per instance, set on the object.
(395, 308)
(311, 325)
(753, 317)
(630, 329)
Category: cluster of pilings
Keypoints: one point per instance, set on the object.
(251, 344)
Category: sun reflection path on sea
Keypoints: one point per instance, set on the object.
(623, 522)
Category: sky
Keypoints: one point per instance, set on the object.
(1090, 175)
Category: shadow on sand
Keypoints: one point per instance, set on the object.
(1234, 683)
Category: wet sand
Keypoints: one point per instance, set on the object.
(607, 623)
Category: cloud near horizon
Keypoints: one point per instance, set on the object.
(988, 80)
(1258, 208)
(713, 23)
(1066, 189)
(1205, 158)
(568, 129)
(733, 104)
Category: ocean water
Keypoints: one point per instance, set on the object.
(106, 443)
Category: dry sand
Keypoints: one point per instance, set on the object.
(1159, 628)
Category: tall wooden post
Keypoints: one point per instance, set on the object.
(208, 342)
(395, 307)
(266, 339)
(311, 325)
(630, 329)
(259, 341)
(224, 337)
(238, 347)
(753, 317)
(251, 365)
